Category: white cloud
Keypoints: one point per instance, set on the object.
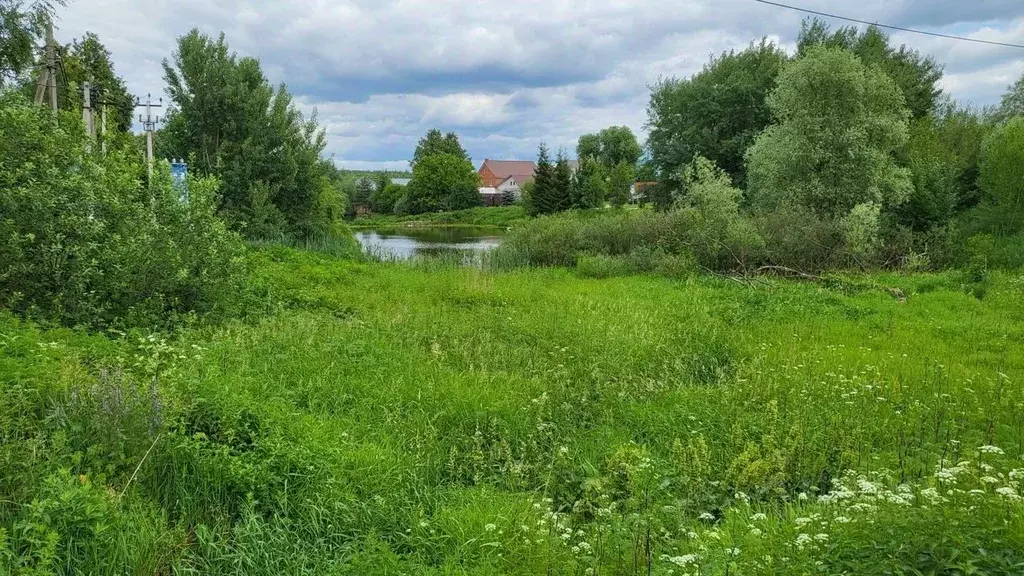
(507, 75)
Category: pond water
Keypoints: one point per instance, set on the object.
(406, 243)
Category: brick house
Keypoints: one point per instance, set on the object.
(494, 173)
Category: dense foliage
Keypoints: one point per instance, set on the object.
(716, 114)
(84, 242)
(231, 123)
(917, 76)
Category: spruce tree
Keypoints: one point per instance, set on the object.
(563, 183)
(543, 199)
(590, 185)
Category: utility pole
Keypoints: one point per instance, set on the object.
(48, 76)
(149, 125)
(103, 127)
(87, 119)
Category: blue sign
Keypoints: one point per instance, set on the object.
(179, 175)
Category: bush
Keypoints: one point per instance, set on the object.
(85, 243)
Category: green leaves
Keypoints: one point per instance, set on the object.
(832, 149)
(716, 113)
(231, 123)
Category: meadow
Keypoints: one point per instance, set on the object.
(431, 419)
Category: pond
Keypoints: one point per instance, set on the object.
(406, 243)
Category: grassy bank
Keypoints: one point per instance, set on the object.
(388, 420)
(502, 217)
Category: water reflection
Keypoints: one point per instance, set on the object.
(406, 243)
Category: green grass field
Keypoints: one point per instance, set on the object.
(396, 419)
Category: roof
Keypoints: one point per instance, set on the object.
(520, 179)
(505, 168)
(401, 181)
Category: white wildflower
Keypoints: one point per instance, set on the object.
(802, 540)
(1016, 474)
(691, 535)
(734, 552)
(707, 516)
(758, 517)
(755, 532)
(803, 521)
(490, 527)
(1008, 492)
(802, 496)
(842, 520)
(821, 537)
(682, 561)
(989, 480)
(585, 546)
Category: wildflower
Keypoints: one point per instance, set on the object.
(734, 552)
(1016, 474)
(585, 546)
(821, 537)
(707, 516)
(742, 497)
(989, 480)
(563, 450)
(1008, 492)
(977, 492)
(755, 532)
(424, 524)
(490, 527)
(691, 535)
(682, 561)
(842, 520)
(802, 521)
(802, 540)
(802, 496)
(758, 517)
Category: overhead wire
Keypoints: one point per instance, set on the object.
(890, 26)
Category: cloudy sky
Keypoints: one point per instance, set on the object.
(508, 74)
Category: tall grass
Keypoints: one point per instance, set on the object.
(447, 420)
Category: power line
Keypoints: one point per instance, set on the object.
(900, 28)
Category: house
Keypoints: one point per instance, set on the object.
(494, 173)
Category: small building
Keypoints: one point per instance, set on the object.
(491, 196)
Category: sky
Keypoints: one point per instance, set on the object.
(507, 75)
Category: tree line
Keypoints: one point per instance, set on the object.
(847, 146)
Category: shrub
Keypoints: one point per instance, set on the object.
(84, 242)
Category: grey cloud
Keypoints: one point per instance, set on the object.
(507, 75)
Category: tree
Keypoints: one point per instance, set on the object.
(363, 191)
(623, 177)
(916, 76)
(563, 183)
(382, 200)
(21, 29)
(589, 186)
(1012, 104)
(230, 122)
(88, 60)
(442, 181)
(610, 146)
(716, 114)
(544, 194)
(436, 143)
(1002, 175)
(839, 124)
